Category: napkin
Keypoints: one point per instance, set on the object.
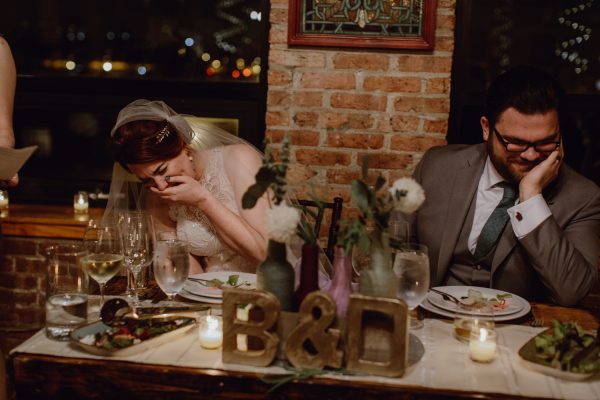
(11, 160)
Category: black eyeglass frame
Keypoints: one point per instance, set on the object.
(525, 146)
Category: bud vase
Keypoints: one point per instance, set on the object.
(379, 279)
(309, 273)
(341, 285)
(276, 275)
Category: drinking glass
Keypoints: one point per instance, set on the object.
(171, 265)
(104, 245)
(470, 318)
(411, 266)
(137, 229)
(399, 233)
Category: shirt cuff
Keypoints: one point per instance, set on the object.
(526, 216)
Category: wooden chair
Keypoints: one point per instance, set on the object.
(334, 229)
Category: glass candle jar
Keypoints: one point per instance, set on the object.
(210, 332)
(3, 200)
(482, 345)
(81, 203)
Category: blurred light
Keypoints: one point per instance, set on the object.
(256, 69)
(235, 73)
(210, 71)
(216, 64)
(240, 63)
(141, 70)
(181, 51)
(246, 72)
(70, 65)
(205, 57)
(598, 85)
(125, 36)
(71, 36)
(107, 66)
(110, 35)
(256, 15)
(80, 36)
(189, 42)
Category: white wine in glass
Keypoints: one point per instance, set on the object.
(105, 253)
(171, 266)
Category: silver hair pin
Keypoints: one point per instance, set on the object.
(163, 133)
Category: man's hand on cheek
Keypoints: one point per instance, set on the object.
(540, 176)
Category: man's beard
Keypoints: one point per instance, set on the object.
(504, 167)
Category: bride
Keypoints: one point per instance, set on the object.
(191, 177)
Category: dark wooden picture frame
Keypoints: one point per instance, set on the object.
(371, 37)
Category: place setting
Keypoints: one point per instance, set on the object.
(208, 287)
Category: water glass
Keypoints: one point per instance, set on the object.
(171, 265)
(411, 266)
(66, 290)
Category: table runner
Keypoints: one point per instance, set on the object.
(445, 365)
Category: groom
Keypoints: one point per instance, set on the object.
(508, 213)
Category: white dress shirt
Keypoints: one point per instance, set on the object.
(531, 212)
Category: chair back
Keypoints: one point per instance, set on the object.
(334, 229)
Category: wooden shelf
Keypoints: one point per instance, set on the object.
(29, 220)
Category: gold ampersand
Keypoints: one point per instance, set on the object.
(317, 313)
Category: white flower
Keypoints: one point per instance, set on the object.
(281, 222)
(407, 195)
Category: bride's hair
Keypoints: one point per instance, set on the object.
(144, 141)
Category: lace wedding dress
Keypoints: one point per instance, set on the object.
(193, 225)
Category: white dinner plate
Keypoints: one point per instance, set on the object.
(514, 303)
(190, 296)
(245, 280)
(440, 311)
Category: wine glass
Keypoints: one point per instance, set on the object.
(105, 252)
(398, 232)
(137, 229)
(171, 265)
(411, 266)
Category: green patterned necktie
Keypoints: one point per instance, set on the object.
(496, 222)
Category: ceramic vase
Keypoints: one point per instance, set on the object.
(379, 280)
(276, 275)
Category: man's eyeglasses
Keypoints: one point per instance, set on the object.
(540, 147)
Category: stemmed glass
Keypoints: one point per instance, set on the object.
(105, 252)
(411, 266)
(137, 229)
(171, 265)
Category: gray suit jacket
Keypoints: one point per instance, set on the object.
(557, 261)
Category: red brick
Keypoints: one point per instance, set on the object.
(307, 99)
(25, 297)
(415, 143)
(447, 4)
(436, 126)
(392, 84)
(19, 246)
(32, 316)
(7, 296)
(277, 118)
(278, 35)
(443, 43)
(297, 137)
(8, 280)
(323, 192)
(355, 140)
(306, 58)
(345, 176)
(324, 80)
(278, 16)
(360, 121)
(358, 101)
(322, 157)
(445, 22)
(423, 63)
(304, 119)
(364, 61)
(7, 264)
(30, 264)
(387, 160)
(422, 105)
(399, 173)
(336, 120)
(438, 85)
(278, 98)
(404, 123)
(278, 77)
(298, 174)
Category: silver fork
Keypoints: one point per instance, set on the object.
(448, 297)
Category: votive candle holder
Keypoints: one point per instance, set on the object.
(210, 333)
(81, 203)
(482, 344)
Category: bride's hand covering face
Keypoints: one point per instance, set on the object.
(192, 179)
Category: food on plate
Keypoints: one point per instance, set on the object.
(568, 347)
(133, 331)
(475, 298)
(232, 281)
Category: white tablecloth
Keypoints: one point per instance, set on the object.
(445, 364)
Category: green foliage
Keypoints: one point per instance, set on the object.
(271, 175)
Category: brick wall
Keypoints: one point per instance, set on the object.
(338, 104)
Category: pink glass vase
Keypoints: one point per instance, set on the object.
(341, 287)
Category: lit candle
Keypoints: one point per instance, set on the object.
(482, 345)
(211, 332)
(80, 203)
(3, 199)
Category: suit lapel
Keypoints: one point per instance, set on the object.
(462, 193)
